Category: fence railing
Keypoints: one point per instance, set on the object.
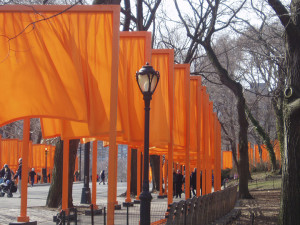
(204, 209)
(197, 210)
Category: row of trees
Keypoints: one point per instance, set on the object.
(244, 50)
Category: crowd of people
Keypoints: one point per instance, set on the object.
(7, 176)
(179, 181)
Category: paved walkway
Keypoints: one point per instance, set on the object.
(37, 195)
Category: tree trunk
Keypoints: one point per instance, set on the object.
(233, 149)
(155, 167)
(237, 90)
(72, 160)
(265, 138)
(55, 192)
(290, 194)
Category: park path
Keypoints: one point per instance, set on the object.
(263, 209)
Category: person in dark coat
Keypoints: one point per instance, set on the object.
(5, 173)
(102, 177)
(193, 181)
(32, 173)
(19, 175)
(179, 182)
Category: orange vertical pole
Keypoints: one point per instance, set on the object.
(112, 173)
(170, 145)
(214, 149)
(65, 181)
(138, 182)
(209, 164)
(216, 158)
(205, 141)
(23, 212)
(128, 199)
(199, 121)
(160, 176)
(219, 154)
(94, 174)
(187, 138)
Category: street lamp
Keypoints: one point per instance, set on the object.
(86, 192)
(147, 79)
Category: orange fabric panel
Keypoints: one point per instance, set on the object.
(161, 104)
(257, 158)
(227, 159)
(212, 136)
(277, 151)
(199, 163)
(134, 52)
(45, 81)
(180, 107)
(250, 155)
(150, 174)
(193, 114)
(96, 40)
(52, 154)
(265, 155)
(9, 153)
(218, 163)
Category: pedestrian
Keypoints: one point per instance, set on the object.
(179, 182)
(76, 175)
(5, 173)
(102, 177)
(32, 173)
(193, 181)
(19, 175)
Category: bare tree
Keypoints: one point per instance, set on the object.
(290, 194)
(204, 23)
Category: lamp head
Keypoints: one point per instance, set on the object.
(147, 79)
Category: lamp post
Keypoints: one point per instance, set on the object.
(46, 153)
(86, 193)
(147, 79)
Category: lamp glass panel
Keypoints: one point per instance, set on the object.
(153, 82)
(144, 82)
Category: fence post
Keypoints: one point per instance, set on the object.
(92, 213)
(63, 217)
(185, 213)
(104, 217)
(127, 214)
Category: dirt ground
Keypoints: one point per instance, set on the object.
(263, 209)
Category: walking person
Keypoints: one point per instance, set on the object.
(179, 182)
(19, 175)
(32, 173)
(102, 177)
(193, 181)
